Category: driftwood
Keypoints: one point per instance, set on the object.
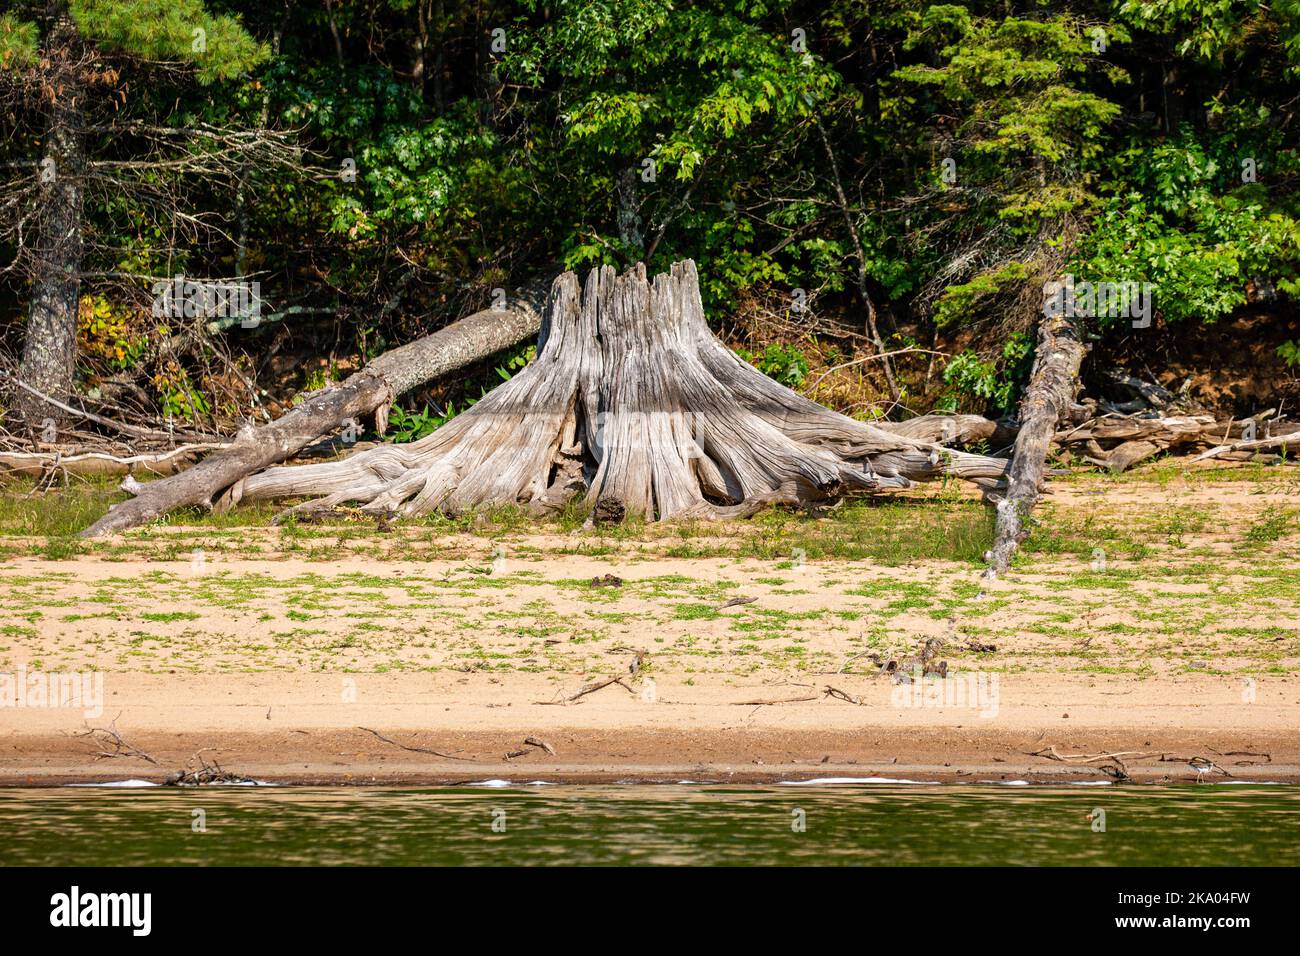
(634, 405)
(84, 463)
(1048, 397)
(411, 748)
(369, 392)
(1117, 442)
(1290, 437)
(944, 429)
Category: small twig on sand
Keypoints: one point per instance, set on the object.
(855, 657)
(591, 689)
(1268, 758)
(539, 742)
(827, 691)
(633, 668)
(735, 602)
(418, 750)
(768, 703)
(841, 695)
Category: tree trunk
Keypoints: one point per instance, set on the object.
(1050, 393)
(368, 392)
(50, 350)
(633, 404)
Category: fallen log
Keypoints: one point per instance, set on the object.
(87, 463)
(944, 429)
(369, 392)
(1291, 438)
(1049, 395)
(635, 405)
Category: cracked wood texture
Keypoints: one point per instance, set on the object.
(633, 404)
(1049, 395)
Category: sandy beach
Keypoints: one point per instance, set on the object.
(345, 656)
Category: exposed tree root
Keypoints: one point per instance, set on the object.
(633, 404)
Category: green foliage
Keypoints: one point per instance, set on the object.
(1189, 225)
(781, 363)
(18, 42)
(1215, 30)
(170, 30)
(1104, 139)
(1026, 122)
(180, 400)
(959, 302)
(412, 426)
(516, 361)
(997, 382)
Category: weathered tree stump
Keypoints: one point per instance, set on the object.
(635, 405)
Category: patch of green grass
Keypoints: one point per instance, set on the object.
(687, 611)
(1275, 523)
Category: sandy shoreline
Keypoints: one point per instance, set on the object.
(1162, 624)
(298, 729)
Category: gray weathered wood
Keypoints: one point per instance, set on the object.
(633, 403)
(1052, 386)
(369, 392)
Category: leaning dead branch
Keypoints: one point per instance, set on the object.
(1050, 393)
(104, 736)
(217, 481)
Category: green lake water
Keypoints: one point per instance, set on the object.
(851, 824)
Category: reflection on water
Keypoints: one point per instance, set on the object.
(877, 824)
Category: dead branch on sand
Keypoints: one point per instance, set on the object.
(417, 750)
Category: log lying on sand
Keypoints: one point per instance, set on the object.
(369, 392)
(633, 404)
(1048, 397)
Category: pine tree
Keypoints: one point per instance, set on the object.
(64, 55)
